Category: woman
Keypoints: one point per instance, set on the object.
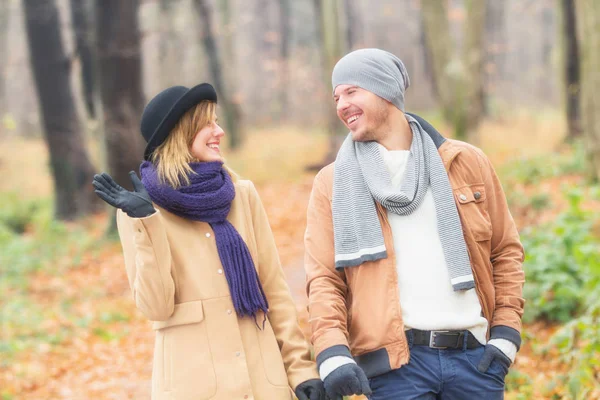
(202, 264)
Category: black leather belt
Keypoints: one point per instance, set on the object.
(442, 339)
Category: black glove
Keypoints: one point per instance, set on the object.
(347, 380)
(136, 204)
(490, 354)
(311, 389)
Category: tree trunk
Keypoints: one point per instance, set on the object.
(474, 57)
(588, 18)
(427, 58)
(84, 39)
(171, 52)
(496, 50)
(71, 168)
(120, 73)
(458, 80)
(285, 28)
(230, 109)
(227, 29)
(440, 45)
(230, 63)
(4, 27)
(328, 15)
(548, 35)
(354, 31)
(570, 64)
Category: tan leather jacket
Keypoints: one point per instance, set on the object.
(360, 307)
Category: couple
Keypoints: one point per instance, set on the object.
(413, 262)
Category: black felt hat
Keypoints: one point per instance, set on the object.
(166, 108)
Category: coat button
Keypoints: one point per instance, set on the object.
(237, 354)
(477, 195)
(220, 271)
(463, 197)
(229, 312)
(207, 234)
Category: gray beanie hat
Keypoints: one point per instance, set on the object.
(375, 70)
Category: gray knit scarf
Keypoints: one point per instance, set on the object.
(361, 178)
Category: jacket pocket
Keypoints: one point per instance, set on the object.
(472, 206)
(271, 355)
(186, 364)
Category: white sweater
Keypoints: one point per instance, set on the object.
(427, 298)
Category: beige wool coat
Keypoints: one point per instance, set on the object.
(202, 349)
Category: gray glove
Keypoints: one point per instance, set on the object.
(136, 204)
(490, 354)
(311, 389)
(347, 380)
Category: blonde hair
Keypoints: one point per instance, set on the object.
(173, 157)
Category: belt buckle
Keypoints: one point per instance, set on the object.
(432, 340)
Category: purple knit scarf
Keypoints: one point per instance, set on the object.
(208, 199)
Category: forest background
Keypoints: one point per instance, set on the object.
(518, 78)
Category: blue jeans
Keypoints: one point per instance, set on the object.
(433, 374)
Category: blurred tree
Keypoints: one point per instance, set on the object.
(227, 29)
(496, 50)
(285, 29)
(229, 63)
(570, 67)
(170, 49)
(354, 27)
(231, 110)
(474, 62)
(439, 42)
(69, 162)
(588, 19)
(458, 81)
(120, 80)
(331, 45)
(266, 29)
(83, 33)
(426, 55)
(4, 25)
(548, 29)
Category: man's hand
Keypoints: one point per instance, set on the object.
(347, 380)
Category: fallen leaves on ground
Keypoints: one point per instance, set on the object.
(107, 353)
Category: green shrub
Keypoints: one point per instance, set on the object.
(16, 214)
(517, 381)
(562, 263)
(529, 170)
(579, 345)
(48, 246)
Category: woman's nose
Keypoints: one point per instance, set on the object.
(219, 132)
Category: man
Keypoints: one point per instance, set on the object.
(413, 261)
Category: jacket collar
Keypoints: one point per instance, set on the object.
(448, 152)
(446, 147)
(433, 133)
